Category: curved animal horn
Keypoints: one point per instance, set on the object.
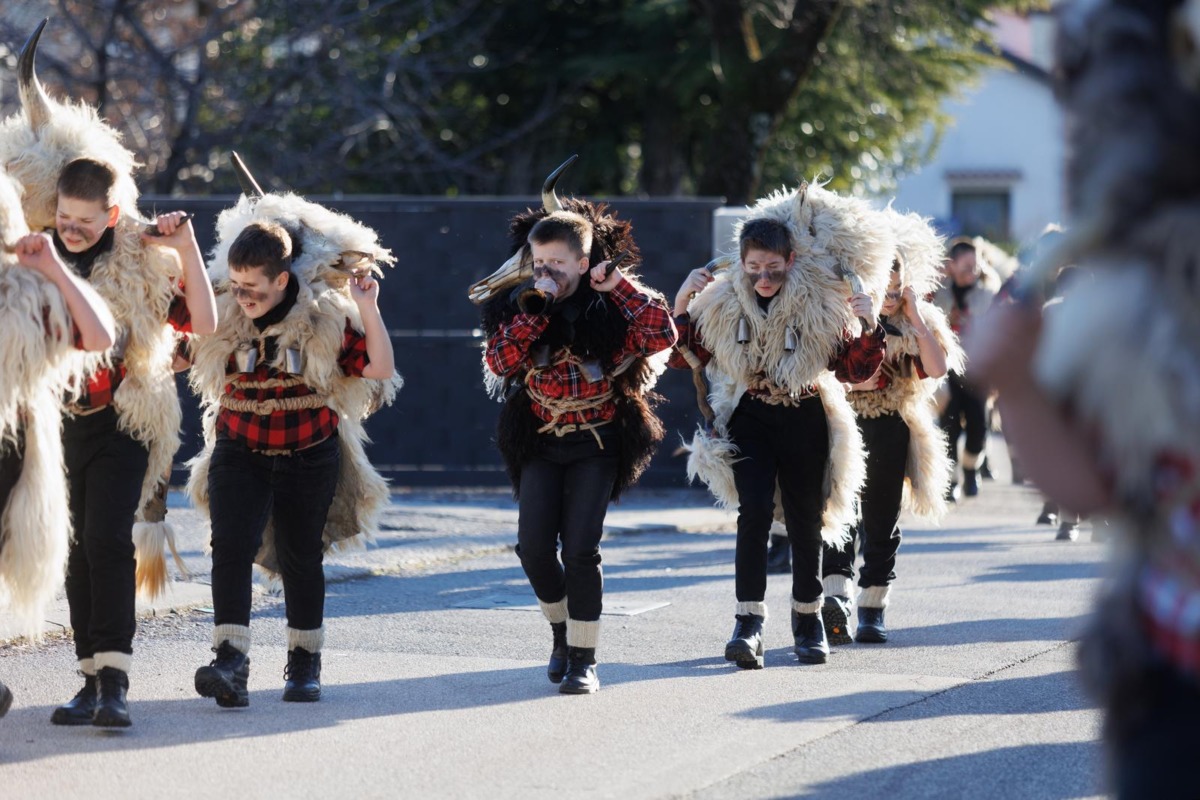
(33, 96)
(550, 200)
(250, 187)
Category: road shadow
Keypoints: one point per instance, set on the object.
(1031, 772)
(1040, 694)
(981, 631)
(1037, 573)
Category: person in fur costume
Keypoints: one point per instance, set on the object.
(570, 349)
(907, 462)
(1102, 395)
(966, 296)
(300, 358)
(48, 317)
(779, 336)
(122, 429)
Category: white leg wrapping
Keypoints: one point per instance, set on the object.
(236, 635)
(758, 607)
(808, 608)
(583, 634)
(874, 597)
(312, 641)
(554, 612)
(121, 661)
(88, 666)
(838, 585)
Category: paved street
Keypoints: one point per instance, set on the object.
(425, 696)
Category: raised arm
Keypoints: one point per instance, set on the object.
(381, 363)
(176, 233)
(89, 312)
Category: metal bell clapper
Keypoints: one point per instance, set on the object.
(743, 334)
(246, 357)
(293, 362)
(592, 371)
(789, 340)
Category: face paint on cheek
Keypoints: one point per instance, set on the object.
(241, 293)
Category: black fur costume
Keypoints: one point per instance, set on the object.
(591, 327)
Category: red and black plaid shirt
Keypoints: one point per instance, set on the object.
(285, 430)
(650, 331)
(102, 384)
(855, 361)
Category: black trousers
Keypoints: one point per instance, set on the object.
(1152, 740)
(788, 445)
(245, 489)
(886, 438)
(564, 497)
(12, 458)
(966, 411)
(105, 469)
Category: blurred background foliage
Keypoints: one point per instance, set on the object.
(453, 97)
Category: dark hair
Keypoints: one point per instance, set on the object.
(564, 226)
(765, 234)
(88, 179)
(262, 244)
(960, 246)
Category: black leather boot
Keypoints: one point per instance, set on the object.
(746, 646)
(1068, 531)
(970, 483)
(112, 711)
(835, 613)
(558, 654)
(779, 555)
(871, 629)
(581, 672)
(5, 699)
(302, 678)
(809, 633)
(1049, 515)
(952, 493)
(225, 678)
(80, 709)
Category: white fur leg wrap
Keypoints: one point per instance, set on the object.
(758, 607)
(838, 585)
(874, 597)
(121, 661)
(554, 612)
(87, 666)
(808, 608)
(312, 641)
(971, 460)
(583, 634)
(236, 635)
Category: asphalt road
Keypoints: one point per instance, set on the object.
(975, 695)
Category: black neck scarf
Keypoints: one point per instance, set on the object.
(276, 315)
(83, 262)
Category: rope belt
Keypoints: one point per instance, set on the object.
(558, 406)
(765, 390)
(270, 406)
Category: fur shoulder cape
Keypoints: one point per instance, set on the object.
(137, 280)
(38, 362)
(324, 242)
(929, 470)
(919, 252)
(590, 326)
(832, 236)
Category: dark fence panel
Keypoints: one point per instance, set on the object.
(439, 432)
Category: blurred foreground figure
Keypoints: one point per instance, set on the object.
(1103, 395)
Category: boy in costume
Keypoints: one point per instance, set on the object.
(300, 358)
(570, 351)
(907, 462)
(122, 427)
(48, 317)
(965, 297)
(779, 336)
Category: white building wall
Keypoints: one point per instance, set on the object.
(1008, 126)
